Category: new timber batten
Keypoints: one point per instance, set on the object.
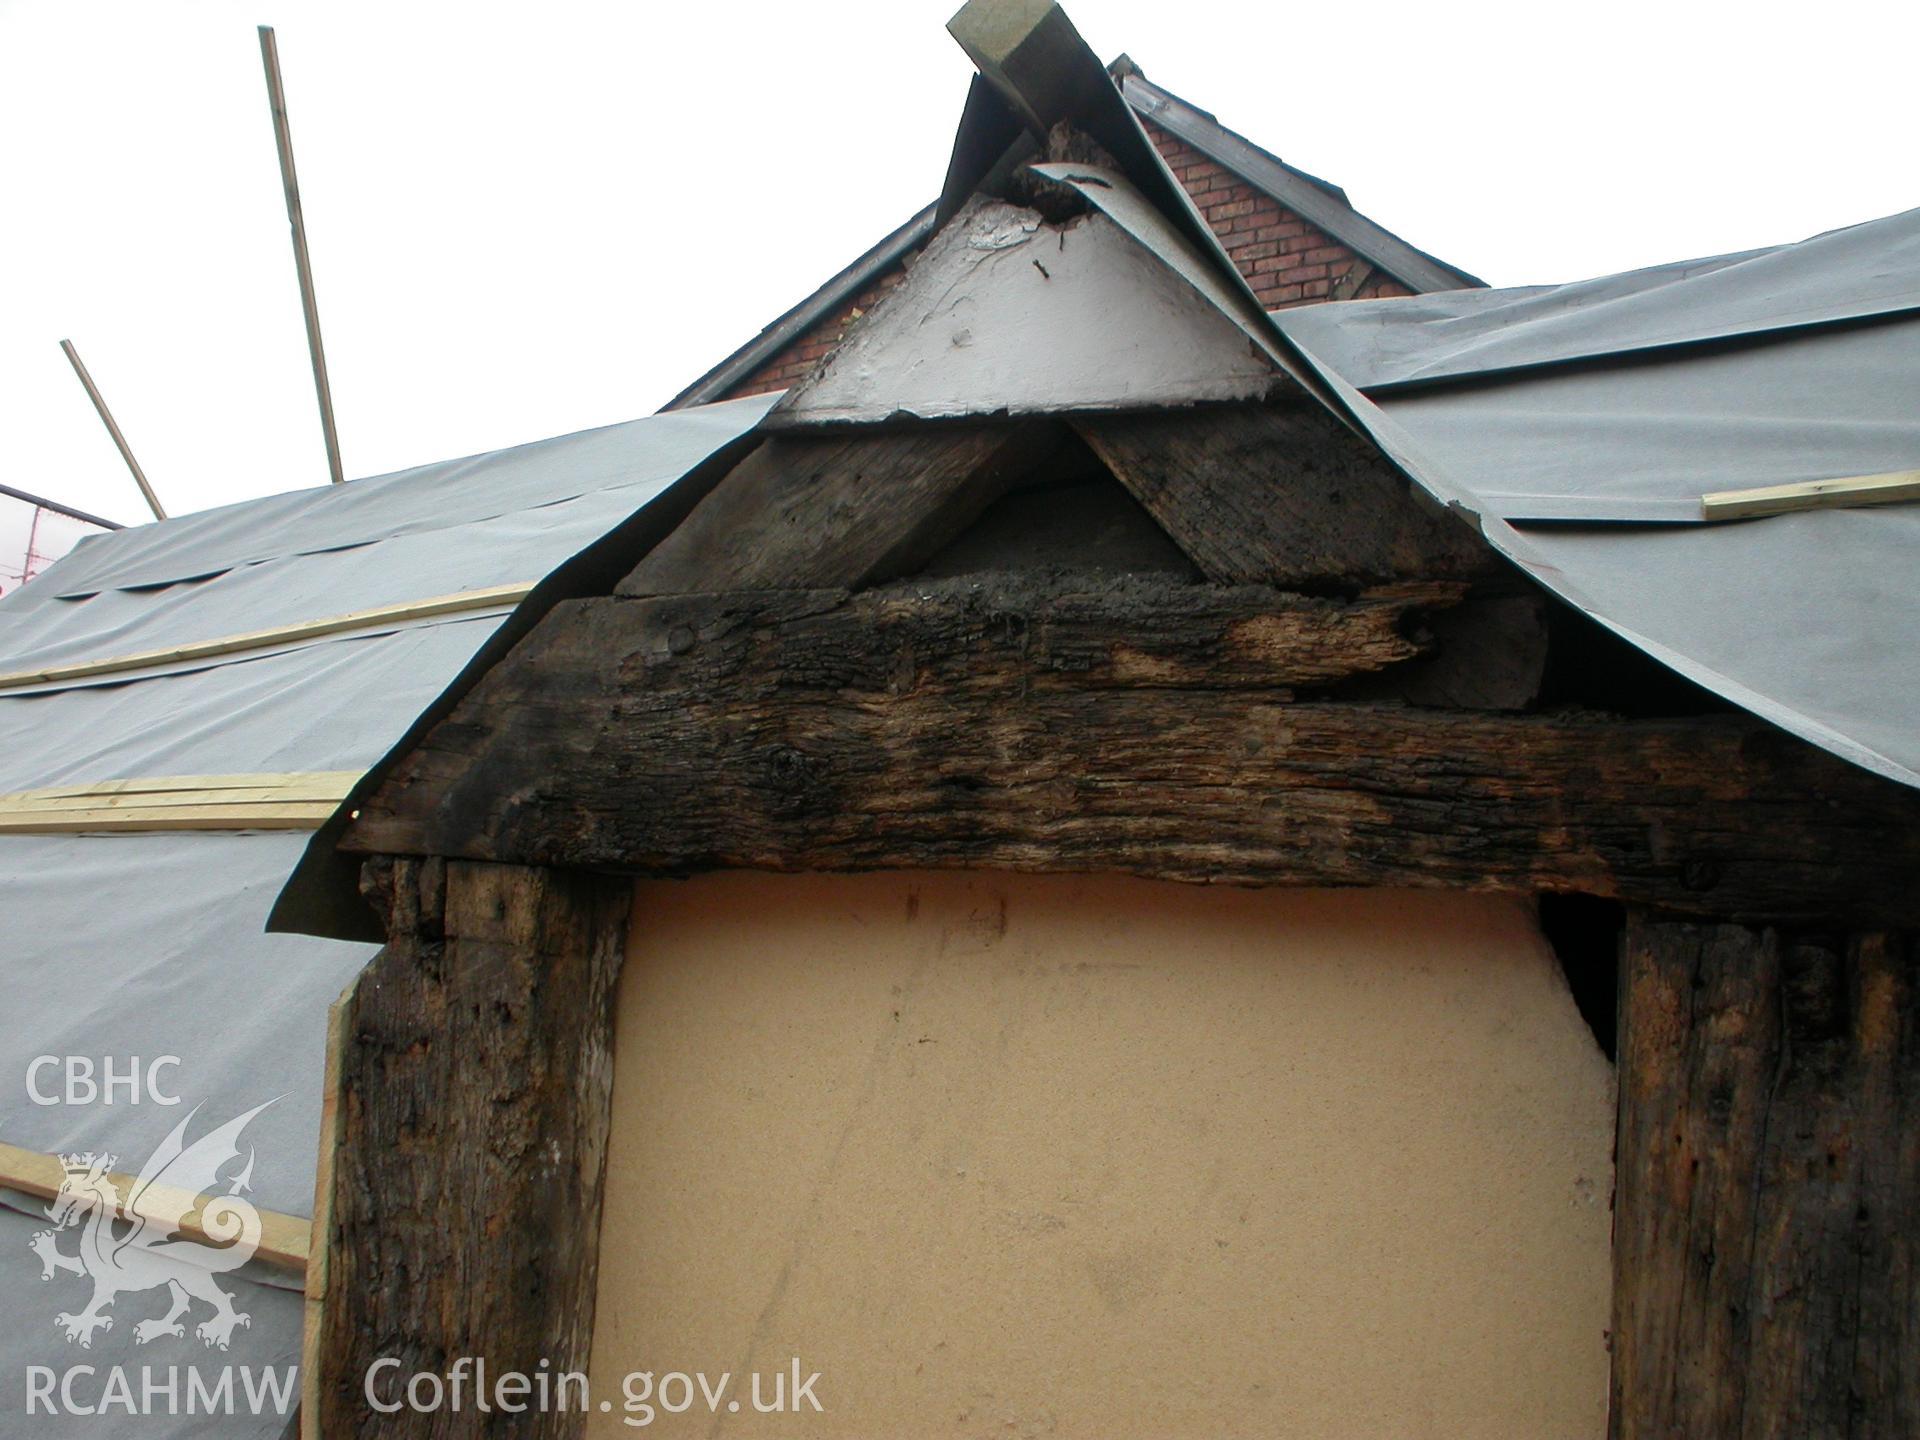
(300, 801)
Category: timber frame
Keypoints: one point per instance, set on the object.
(772, 687)
(1312, 675)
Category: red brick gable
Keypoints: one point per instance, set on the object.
(1285, 259)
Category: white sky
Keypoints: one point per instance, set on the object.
(533, 219)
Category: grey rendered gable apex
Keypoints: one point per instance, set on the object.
(1117, 297)
(1323, 204)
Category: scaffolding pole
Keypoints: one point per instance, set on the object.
(106, 418)
(283, 137)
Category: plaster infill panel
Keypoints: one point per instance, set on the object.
(1022, 1155)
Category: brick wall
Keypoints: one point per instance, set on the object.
(1286, 260)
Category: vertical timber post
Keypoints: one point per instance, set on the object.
(475, 1080)
(1767, 1211)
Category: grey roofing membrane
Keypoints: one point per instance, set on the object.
(137, 957)
(123, 945)
(332, 704)
(1850, 274)
(1609, 407)
(1644, 437)
(444, 496)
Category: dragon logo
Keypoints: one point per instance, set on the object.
(129, 1242)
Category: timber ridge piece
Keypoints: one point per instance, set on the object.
(297, 801)
(459, 603)
(474, 1094)
(284, 1239)
(931, 727)
(1047, 75)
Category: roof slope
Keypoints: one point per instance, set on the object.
(153, 943)
(1583, 423)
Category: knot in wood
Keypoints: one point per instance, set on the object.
(792, 770)
(1698, 875)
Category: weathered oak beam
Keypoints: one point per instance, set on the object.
(1490, 654)
(1767, 1230)
(475, 1079)
(1282, 495)
(840, 510)
(816, 732)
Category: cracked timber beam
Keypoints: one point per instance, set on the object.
(1014, 727)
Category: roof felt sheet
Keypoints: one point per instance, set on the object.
(640, 455)
(1851, 274)
(125, 945)
(1583, 423)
